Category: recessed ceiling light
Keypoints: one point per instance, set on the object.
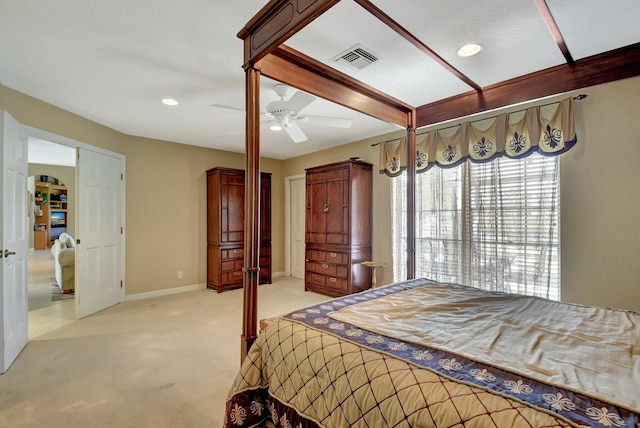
(170, 102)
(469, 50)
(275, 128)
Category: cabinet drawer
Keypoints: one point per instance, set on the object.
(337, 283)
(315, 278)
(316, 255)
(231, 265)
(327, 256)
(323, 268)
(328, 269)
(233, 253)
(232, 277)
(337, 258)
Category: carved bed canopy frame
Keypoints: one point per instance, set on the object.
(265, 55)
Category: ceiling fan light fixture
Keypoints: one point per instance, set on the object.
(275, 128)
(470, 49)
(170, 102)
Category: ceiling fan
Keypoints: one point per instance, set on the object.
(285, 114)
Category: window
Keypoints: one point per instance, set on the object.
(491, 225)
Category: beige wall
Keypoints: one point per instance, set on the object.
(600, 200)
(166, 196)
(166, 212)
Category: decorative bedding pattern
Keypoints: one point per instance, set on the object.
(309, 369)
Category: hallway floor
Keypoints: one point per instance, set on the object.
(45, 315)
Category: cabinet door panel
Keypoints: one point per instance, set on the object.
(316, 217)
(265, 209)
(335, 214)
(232, 208)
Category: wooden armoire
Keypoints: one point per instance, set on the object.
(225, 228)
(338, 225)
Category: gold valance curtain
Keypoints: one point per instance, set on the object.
(548, 136)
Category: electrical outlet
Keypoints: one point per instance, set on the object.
(179, 274)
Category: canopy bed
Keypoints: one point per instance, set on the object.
(265, 54)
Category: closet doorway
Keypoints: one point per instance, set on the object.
(294, 226)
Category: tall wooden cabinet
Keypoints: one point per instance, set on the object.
(338, 227)
(225, 228)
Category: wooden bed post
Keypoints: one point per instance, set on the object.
(251, 213)
(264, 55)
(411, 195)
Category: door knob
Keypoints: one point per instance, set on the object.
(8, 253)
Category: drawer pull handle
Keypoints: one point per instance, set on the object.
(333, 255)
(237, 273)
(318, 253)
(237, 251)
(325, 266)
(332, 279)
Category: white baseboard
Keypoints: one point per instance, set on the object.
(277, 274)
(165, 292)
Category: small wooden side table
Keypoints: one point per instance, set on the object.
(373, 266)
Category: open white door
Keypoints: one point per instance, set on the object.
(13, 208)
(99, 273)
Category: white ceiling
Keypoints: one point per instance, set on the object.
(112, 61)
(48, 153)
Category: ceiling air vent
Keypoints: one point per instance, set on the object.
(355, 58)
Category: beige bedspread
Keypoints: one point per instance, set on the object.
(326, 382)
(422, 354)
(588, 349)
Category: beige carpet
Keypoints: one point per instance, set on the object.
(58, 294)
(161, 362)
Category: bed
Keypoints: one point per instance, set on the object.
(422, 353)
(267, 54)
(342, 363)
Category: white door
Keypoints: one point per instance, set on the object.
(297, 227)
(99, 274)
(13, 206)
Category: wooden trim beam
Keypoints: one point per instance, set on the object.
(296, 69)
(548, 18)
(603, 68)
(395, 26)
(276, 22)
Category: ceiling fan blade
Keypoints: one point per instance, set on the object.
(298, 101)
(295, 132)
(335, 122)
(227, 107)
